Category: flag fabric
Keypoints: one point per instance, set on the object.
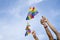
(28, 30)
(32, 12)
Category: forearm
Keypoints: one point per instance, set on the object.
(52, 27)
(35, 37)
(49, 33)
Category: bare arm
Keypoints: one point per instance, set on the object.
(46, 29)
(48, 32)
(34, 35)
(54, 30)
(52, 27)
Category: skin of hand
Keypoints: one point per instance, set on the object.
(28, 27)
(52, 27)
(46, 29)
(34, 35)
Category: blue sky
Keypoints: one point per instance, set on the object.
(13, 14)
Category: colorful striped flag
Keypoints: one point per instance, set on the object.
(32, 13)
(28, 31)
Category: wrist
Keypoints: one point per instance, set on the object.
(45, 27)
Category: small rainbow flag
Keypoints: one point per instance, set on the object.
(32, 13)
(28, 31)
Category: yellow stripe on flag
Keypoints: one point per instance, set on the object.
(29, 17)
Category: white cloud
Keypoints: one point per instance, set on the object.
(34, 1)
(15, 10)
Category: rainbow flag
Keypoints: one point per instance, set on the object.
(32, 13)
(28, 31)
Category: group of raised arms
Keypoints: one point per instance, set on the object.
(45, 22)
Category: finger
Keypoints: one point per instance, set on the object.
(41, 21)
(44, 18)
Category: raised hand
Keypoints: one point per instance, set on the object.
(43, 22)
(34, 35)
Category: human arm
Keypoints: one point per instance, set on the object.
(46, 29)
(34, 35)
(52, 27)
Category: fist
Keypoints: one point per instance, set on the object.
(43, 20)
(33, 33)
